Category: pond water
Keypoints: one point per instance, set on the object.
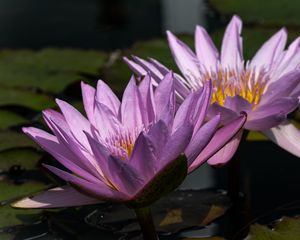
(269, 176)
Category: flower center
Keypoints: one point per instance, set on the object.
(248, 83)
(121, 144)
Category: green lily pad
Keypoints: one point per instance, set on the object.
(11, 139)
(26, 158)
(49, 69)
(9, 119)
(285, 229)
(261, 12)
(26, 98)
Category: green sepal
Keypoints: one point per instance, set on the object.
(165, 181)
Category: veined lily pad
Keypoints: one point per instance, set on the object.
(25, 158)
(49, 69)
(9, 119)
(11, 139)
(261, 12)
(285, 229)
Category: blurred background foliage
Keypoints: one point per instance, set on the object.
(47, 51)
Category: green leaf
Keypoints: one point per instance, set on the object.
(9, 119)
(285, 229)
(11, 139)
(26, 158)
(49, 69)
(261, 12)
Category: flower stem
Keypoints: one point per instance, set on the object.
(146, 222)
(234, 171)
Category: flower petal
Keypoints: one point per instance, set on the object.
(238, 104)
(132, 106)
(88, 97)
(62, 154)
(226, 114)
(226, 153)
(176, 144)
(221, 137)
(107, 123)
(146, 90)
(164, 99)
(143, 157)
(270, 50)
(184, 57)
(206, 51)
(58, 197)
(270, 115)
(283, 87)
(231, 51)
(106, 96)
(201, 139)
(136, 68)
(77, 123)
(285, 135)
(99, 191)
(125, 177)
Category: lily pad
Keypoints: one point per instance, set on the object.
(285, 229)
(25, 158)
(49, 69)
(9, 119)
(172, 213)
(11, 139)
(26, 98)
(261, 12)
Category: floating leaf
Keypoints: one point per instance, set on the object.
(25, 158)
(261, 12)
(285, 229)
(49, 69)
(9, 119)
(176, 211)
(11, 139)
(26, 98)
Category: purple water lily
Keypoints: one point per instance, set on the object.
(267, 87)
(128, 151)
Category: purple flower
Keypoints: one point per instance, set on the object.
(129, 151)
(266, 87)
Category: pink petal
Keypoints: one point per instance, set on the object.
(58, 197)
(201, 139)
(184, 57)
(77, 123)
(107, 122)
(164, 99)
(107, 97)
(206, 51)
(226, 153)
(88, 97)
(231, 51)
(62, 154)
(132, 106)
(270, 115)
(238, 104)
(146, 91)
(99, 191)
(285, 135)
(136, 68)
(143, 157)
(226, 114)
(221, 137)
(270, 50)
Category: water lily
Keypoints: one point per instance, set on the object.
(129, 151)
(265, 87)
